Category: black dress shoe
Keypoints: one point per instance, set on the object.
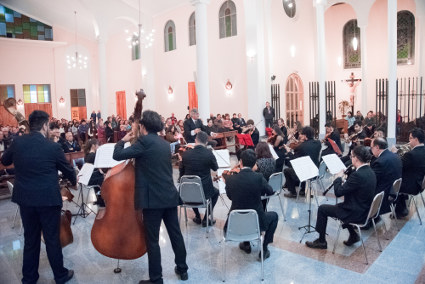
(403, 213)
(317, 244)
(245, 247)
(159, 281)
(210, 223)
(67, 277)
(352, 239)
(290, 195)
(183, 275)
(302, 193)
(197, 220)
(367, 227)
(266, 254)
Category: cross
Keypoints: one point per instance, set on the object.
(353, 83)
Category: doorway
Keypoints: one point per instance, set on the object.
(294, 92)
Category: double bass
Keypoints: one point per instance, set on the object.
(118, 230)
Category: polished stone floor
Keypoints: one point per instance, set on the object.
(402, 259)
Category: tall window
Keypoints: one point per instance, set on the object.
(405, 37)
(6, 91)
(34, 94)
(294, 91)
(192, 29)
(170, 36)
(227, 19)
(352, 51)
(135, 48)
(78, 97)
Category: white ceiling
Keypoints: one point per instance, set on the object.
(107, 16)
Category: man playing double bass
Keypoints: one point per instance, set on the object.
(37, 192)
(155, 193)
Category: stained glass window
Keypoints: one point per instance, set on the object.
(227, 19)
(6, 91)
(352, 50)
(78, 97)
(170, 36)
(192, 29)
(16, 25)
(405, 37)
(36, 93)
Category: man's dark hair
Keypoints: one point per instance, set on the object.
(380, 142)
(151, 121)
(329, 124)
(362, 154)
(308, 132)
(53, 125)
(248, 158)
(250, 122)
(37, 119)
(418, 133)
(202, 137)
(357, 122)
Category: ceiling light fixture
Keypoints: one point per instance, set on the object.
(139, 37)
(77, 60)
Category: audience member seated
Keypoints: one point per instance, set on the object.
(70, 145)
(192, 126)
(101, 135)
(227, 123)
(109, 133)
(235, 122)
(82, 130)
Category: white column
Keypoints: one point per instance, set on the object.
(202, 82)
(321, 63)
(420, 52)
(103, 91)
(255, 65)
(363, 48)
(392, 70)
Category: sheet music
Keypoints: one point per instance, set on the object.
(104, 155)
(304, 168)
(222, 157)
(220, 182)
(334, 164)
(275, 156)
(85, 173)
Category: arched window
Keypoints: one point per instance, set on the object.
(227, 19)
(352, 51)
(192, 29)
(405, 37)
(170, 36)
(294, 92)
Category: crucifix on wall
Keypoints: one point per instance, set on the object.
(353, 83)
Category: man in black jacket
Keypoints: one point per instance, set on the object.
(192, 126)
(245, 190)
(36, 191)
(200, 161)
(155, 193)
(268, 113)
(333, 134)
(70, 145)
(358, 192)
(413, 170)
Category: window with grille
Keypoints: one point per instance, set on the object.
(405, 37)
(352, 50)
(170, 36)
(78, 97)
(39, 93)
(192, 30)
(227, 19)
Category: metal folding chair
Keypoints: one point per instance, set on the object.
(395, 191)
(10, 186)
(276, 181)
(412, 197)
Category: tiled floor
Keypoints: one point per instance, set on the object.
(402, 260)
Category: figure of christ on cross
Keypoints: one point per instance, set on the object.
(353, 83)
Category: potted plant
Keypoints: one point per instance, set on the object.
(343, 106)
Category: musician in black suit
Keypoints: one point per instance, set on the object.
(310, 147)
(155, 192)
(192, 126)
(333, 134)
(253, 131)
(387, 168)
(358, 192)
(70, 145)
(268, 113)
(200, 161)
(245, 190)
(354, 141)
(413, 170)
(36, 191)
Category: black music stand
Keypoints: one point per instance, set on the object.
(83, 180)
(308, 227)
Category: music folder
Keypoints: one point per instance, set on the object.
(85, 173)
(334, 163)
(222, 157)
(104, 155)
(304, 168)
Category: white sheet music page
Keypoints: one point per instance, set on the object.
(334, 164)
(104, 155)
(304, 168)
(85, 173)
(222, 157)
(275, 156)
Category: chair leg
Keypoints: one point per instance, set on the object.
(417, 211)
(394, 216)
(262, 257)
(185, 215)
(337, 236)
(16, 215)
(422, 197)
(361, 238)
(207, 217)
(377, 235)
(224, 260)
(281, 207)
(323, 188)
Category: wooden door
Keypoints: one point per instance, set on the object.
(193, 97)
(121, 104)
(294, 100)
(79, 113)
(29, 108)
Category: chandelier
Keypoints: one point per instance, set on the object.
(77, 60)
(140, 38)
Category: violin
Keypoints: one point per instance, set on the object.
(272, 139)
(235, 170)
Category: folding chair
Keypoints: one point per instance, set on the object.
(243, 225)
(10, 186)
(373, 213)
(412, 198)
(276, 181)
(192, 195)
(393, 204)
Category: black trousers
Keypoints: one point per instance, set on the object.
(35, 220)
(292, 180)
(325, 211)
(152, 219)
(269, 122)
(214, 199)
(269, 228)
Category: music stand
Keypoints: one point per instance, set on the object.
(306, 170)
(83, 179)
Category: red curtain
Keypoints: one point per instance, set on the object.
(121, 104)
(193, 97)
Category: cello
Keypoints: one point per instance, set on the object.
(118, 230)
